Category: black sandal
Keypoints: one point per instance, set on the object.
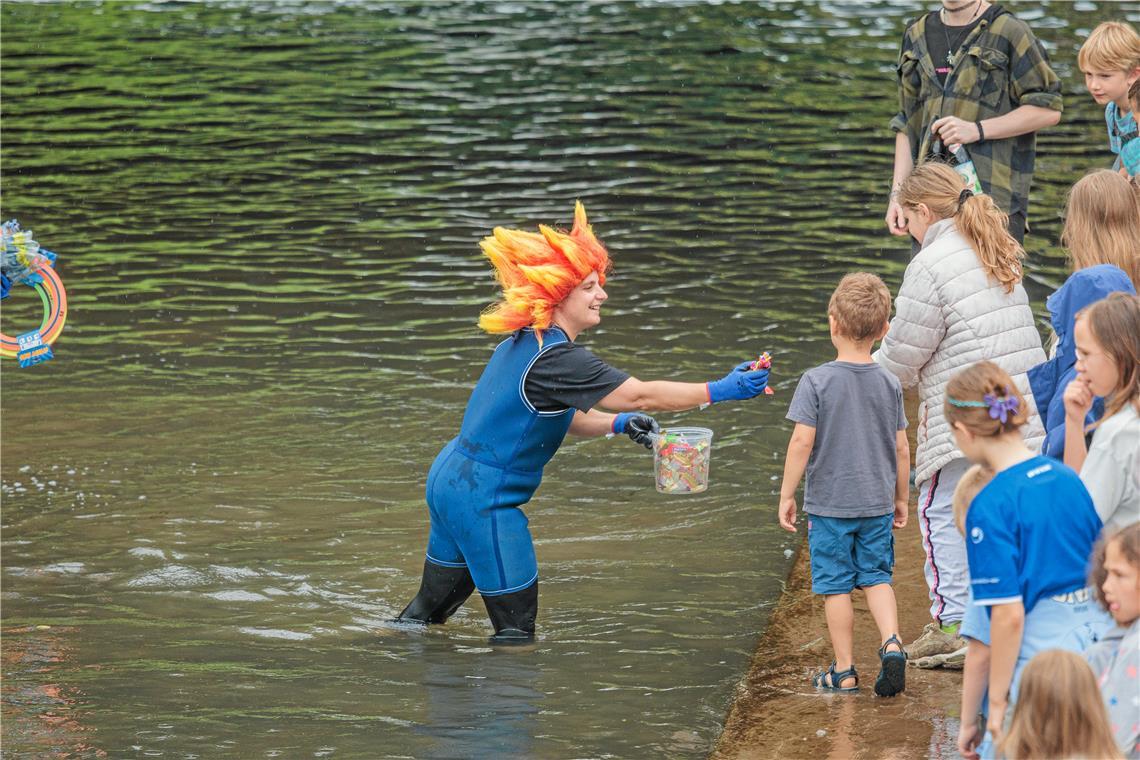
(892, 673)
(829, 679)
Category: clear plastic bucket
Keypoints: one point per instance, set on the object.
(681, 459)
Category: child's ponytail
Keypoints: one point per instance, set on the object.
(987, 228)
(977, 218)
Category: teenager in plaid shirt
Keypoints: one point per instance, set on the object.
(972, 73)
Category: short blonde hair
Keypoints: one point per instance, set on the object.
(1112, 46)
(861, 305)
(970, 485)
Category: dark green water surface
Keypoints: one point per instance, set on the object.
(267, 215)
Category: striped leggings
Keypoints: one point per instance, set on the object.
(946, 570)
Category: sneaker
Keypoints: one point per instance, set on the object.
(934, 641)
(950, 661)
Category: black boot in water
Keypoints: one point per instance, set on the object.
(513, 615)
(442, 591)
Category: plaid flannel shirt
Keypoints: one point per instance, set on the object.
(1000, 66)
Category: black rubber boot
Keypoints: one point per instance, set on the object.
(513, 615)
(442, 591)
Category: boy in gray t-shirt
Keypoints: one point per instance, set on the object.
(850, 437)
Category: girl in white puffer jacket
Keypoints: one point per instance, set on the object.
(961, 302)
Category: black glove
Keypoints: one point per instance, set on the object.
(641, 428)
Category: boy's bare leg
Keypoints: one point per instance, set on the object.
(840, 614)
(881, 601)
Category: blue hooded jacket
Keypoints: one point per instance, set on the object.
(1048, 380)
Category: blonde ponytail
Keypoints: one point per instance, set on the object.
(987, 228)
(978, 219)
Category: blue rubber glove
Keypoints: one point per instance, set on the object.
(638, 427)
(740, 384)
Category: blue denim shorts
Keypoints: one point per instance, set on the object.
(850, 552)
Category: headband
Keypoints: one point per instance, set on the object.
(1001, 407)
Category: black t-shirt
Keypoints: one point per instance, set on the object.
(942, 40)
(569, 376)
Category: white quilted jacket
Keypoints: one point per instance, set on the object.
(949, 315)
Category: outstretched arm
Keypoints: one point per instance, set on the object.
(743, 382)
(660, 395)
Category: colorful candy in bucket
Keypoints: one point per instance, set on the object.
(681, 459)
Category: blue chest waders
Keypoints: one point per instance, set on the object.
(476, 488)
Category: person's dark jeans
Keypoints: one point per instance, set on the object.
(1017, 226)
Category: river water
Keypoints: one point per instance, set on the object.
(267, 216)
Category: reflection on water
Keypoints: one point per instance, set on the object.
(267, 215)
(41, 716)
(483, 705)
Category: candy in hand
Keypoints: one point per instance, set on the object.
(743, 382)
(763, 361)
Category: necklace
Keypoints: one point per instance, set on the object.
(952, 48)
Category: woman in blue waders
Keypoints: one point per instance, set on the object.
(538, 386)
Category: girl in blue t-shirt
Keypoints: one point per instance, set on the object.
(1029, 534)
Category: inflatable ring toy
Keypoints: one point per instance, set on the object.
(54, 299)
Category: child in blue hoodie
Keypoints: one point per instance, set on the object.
(1049, 379)
(1101, 230)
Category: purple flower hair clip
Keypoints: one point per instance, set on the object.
(1002, 407)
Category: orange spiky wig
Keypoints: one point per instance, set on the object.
(537, 272)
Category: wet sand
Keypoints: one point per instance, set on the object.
(776, 711)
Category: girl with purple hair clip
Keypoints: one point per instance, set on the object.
(1029, 533)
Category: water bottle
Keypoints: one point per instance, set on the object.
(964, 165)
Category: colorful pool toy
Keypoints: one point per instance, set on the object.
(22, 261)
